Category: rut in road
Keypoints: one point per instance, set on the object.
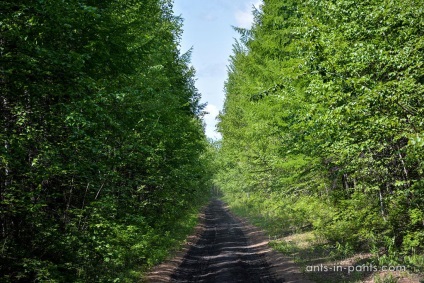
(222, 254)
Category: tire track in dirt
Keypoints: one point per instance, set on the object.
(228, 250)
(222, 254)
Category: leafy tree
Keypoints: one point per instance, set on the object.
(323, 106)
(103, 141)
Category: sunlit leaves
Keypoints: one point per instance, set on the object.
(349, 101)
(102, 134)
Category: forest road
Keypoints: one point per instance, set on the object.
(226, 252)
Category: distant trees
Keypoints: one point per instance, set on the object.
(101, 138)
(323, 119)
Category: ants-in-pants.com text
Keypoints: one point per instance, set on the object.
(353, 268)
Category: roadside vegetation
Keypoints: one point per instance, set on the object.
(103, 156)
(323, 127)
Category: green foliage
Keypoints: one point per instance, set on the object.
(323, 120)
(102, 150)
(386, 279)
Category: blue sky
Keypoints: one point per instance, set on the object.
(208, 29)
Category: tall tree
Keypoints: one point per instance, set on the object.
(324, 105)
(100, 130)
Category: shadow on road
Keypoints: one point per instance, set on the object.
(227, 250)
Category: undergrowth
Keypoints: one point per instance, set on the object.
(171, 236)
(295, 228)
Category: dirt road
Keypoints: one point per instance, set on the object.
(228, 251)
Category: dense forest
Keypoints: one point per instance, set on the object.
(103, 157)
(103, 154)
(323, 123)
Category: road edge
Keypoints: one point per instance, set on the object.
(281, 266)
(162, 272)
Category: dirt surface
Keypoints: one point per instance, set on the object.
(227, 249)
